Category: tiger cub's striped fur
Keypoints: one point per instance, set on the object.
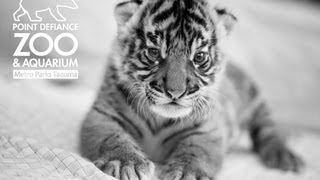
(170, 97)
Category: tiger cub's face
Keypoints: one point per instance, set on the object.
(169, 53)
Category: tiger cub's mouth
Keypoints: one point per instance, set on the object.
(171, 110)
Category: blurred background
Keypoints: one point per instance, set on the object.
(276, 41)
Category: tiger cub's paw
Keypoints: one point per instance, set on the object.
(186, 172)
(128, 167)
(280, 157)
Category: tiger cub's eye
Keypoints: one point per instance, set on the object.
(200, 57)
(154, 53)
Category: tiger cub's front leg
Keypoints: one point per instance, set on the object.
(197, 157)
(112, 149)
(123, 160)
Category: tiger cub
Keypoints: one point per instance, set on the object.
(170, 97)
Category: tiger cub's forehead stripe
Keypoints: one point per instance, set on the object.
(181, 10)
(162, 16)
(156, 7)
(168, 10)
(197, 19)
(202, 12)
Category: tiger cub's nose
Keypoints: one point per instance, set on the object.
(175, 93)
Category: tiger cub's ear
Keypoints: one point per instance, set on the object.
(226, 20)
(125, 10)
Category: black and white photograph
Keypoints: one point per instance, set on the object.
(160, 90)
